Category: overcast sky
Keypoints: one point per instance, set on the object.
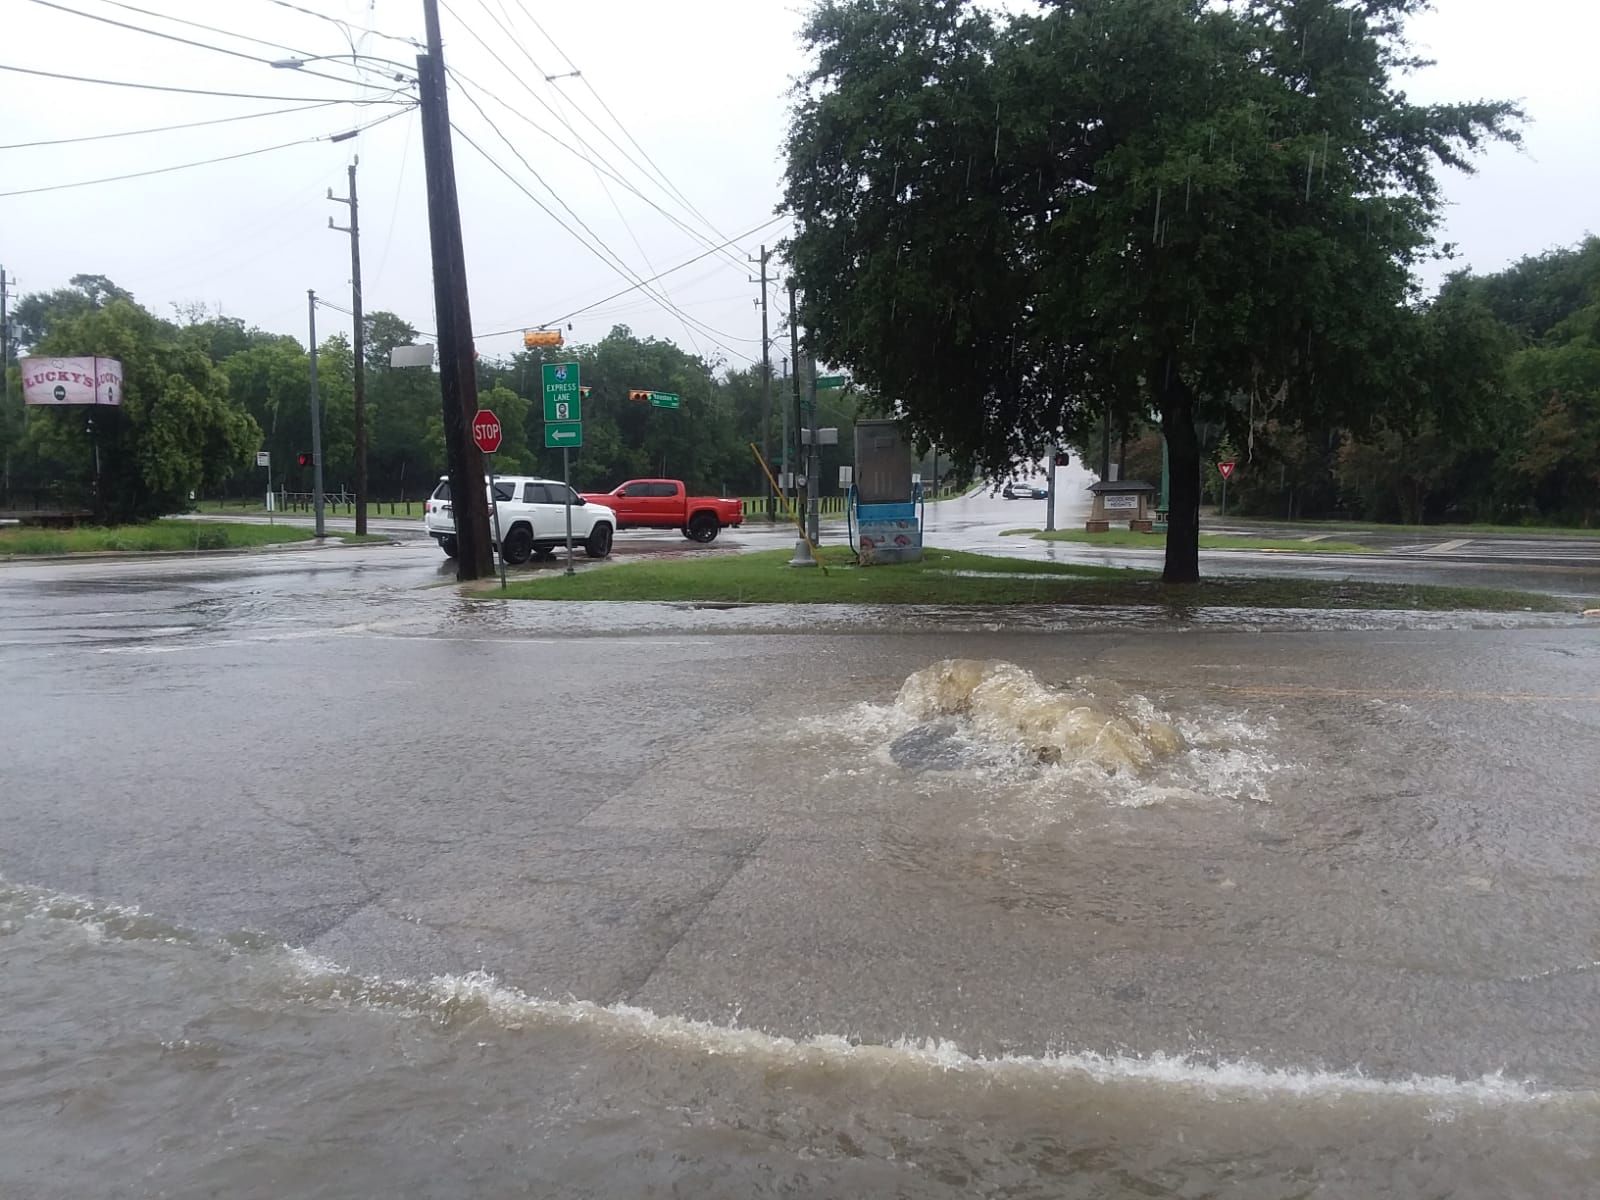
(699, 85)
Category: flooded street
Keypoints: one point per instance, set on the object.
(313, 885)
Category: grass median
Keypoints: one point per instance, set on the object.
(155, 536)
(957, 577)
(1127, 539)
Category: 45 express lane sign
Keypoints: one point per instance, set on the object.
(71, 381)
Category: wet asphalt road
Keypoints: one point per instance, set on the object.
(692, 819)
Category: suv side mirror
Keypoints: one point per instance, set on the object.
(578, 501)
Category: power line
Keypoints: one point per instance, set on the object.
(344, 26)
(100, 137)
(602, 166)
(559, 116)
(204, 162)
(172, 37)
(243, 37)
(635, 287)
(616, 258)
(161, 87)
(666, 182)
(605, 254)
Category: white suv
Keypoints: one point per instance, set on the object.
(533, 519)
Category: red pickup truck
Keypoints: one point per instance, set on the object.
(666, 504)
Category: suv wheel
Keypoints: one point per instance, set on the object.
(450, 546)
(703, 527)
(517, 545)
(599, 543)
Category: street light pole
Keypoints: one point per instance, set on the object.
(316, 421)
(358, 347)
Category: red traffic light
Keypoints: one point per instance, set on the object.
(637, 394)
(1062, 458)
(304, 458)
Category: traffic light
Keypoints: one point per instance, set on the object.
(304, 458)
(541, 337)
(637, 394)
(1063, 458)
(583, 392)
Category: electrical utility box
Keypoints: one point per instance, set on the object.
(885, 500)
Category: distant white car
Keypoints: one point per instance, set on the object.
(533, 519)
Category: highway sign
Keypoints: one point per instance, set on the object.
(824, 382)
(486, 430)
(665, 399)
(1226, 469)
(563, 435)
(561, 388)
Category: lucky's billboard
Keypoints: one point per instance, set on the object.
(71, 381)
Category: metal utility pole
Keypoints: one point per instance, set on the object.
(5, 373)
(793, 464)
(358, 346)
(1050, 502)
(1105, 447)
(814, 459)
(457, 362)
(316, 421)
(766, 384)
(784, 409)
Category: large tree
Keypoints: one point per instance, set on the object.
(1203, 209)
(177, 430)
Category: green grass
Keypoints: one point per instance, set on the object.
(1208, 541)
(411, 509)
(956, 577)
(168, 535)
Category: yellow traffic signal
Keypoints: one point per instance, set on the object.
(636, 394)
(541, 337)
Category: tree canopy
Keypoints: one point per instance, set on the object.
(1206, 211)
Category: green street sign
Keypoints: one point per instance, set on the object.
(563, 398)
(563, 435)
(665, 399)
(824, 382)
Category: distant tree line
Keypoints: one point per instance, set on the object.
(1493, 417)
(205, 392)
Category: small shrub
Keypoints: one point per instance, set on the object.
(211, 539)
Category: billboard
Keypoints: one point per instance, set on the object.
(71, 381)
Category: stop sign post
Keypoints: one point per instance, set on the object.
(486, 436)
(486, 431)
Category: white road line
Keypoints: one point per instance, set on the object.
(1448, 547)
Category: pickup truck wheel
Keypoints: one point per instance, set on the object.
(599, 543)
(703, 527)
(450, 547)
(517, 544)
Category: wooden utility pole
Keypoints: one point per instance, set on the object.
(358, 346)
(766, 386)
(458, 375)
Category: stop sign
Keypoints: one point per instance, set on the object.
(486, 431)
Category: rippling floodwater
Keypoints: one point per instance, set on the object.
(1141, 907)
(141, 1059)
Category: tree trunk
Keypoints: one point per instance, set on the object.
(1183, 497)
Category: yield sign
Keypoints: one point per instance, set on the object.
(486, 431)
(1226, 469)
